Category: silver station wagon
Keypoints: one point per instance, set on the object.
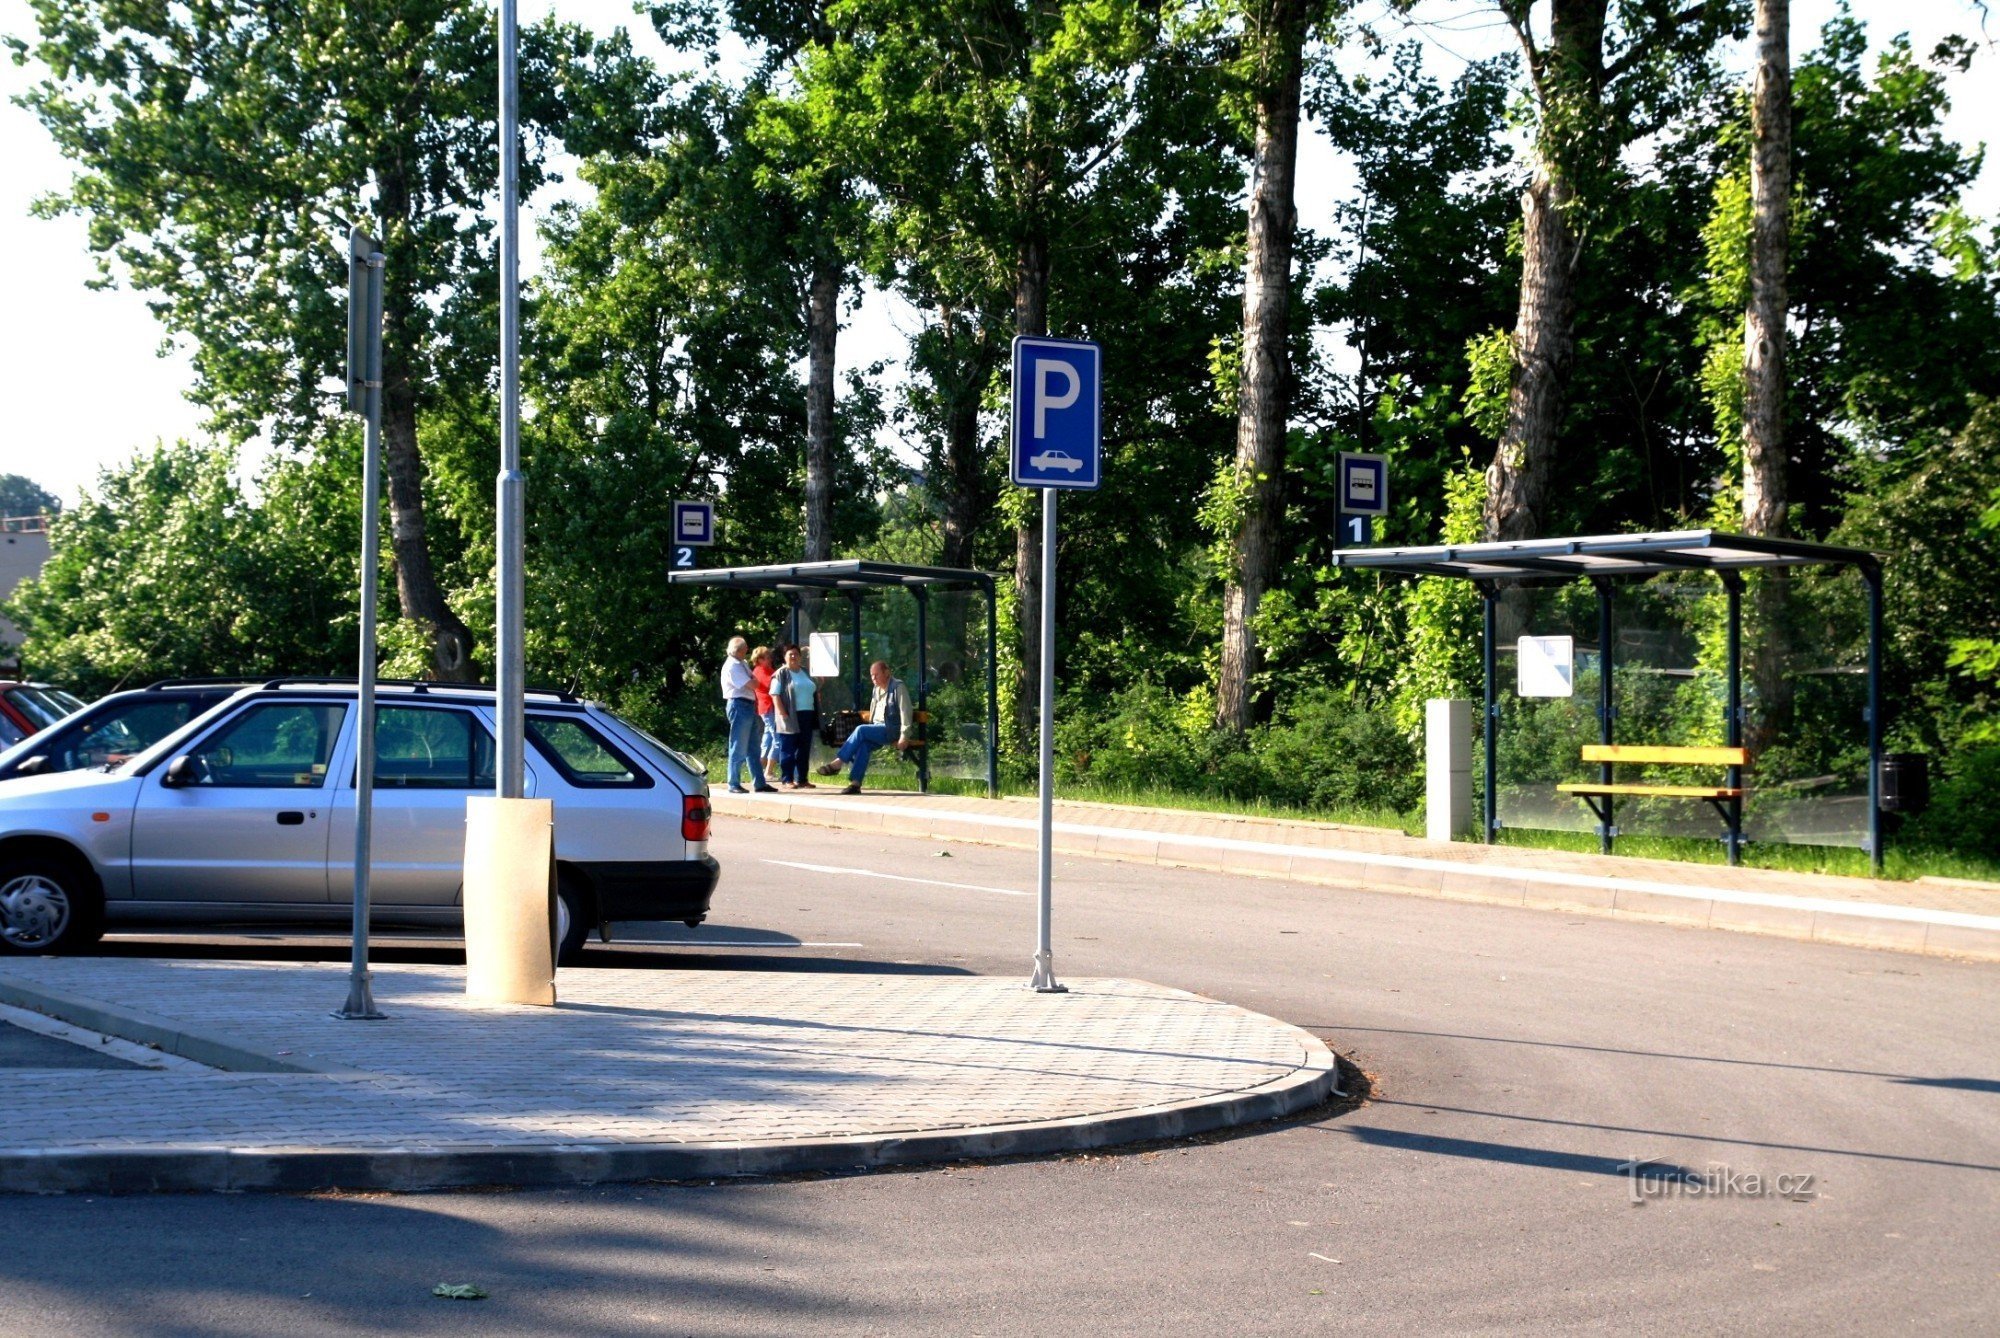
(246, 816)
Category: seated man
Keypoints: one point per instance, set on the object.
(888, 716)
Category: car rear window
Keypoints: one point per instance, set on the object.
(582, 754)
(423, 748)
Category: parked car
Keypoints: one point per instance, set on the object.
(112, 729)
(29, 708)
(246, 815)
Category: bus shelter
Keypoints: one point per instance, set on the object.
(1512, 576)
(934, 629)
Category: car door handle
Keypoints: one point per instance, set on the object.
(291, 817)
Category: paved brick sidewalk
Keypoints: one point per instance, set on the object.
(637, 1074)
(1926, 916)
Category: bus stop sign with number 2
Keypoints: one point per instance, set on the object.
(694, 527)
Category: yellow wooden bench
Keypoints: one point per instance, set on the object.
(1727, 800)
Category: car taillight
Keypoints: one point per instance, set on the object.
(694, 817)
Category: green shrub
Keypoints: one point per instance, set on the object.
(1964, 812)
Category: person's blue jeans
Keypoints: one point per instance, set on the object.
(742, 739)
(860, 744)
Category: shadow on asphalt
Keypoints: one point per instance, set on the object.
(425, 950)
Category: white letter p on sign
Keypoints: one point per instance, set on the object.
(1045, 368)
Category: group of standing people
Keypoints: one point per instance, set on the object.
(772, 705)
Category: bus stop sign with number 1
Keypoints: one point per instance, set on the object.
(1056, 413)
(1364, 494)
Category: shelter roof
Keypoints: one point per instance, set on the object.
(838, 574)
(1604, 555)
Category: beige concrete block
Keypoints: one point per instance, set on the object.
(1190, 855)
(1787, 921)
(1561, 897)
(1858, 931)
(1959, 941)
(1663, 906)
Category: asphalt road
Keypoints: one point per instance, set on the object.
(1826, 1123)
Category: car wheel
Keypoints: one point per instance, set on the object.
(47, 906)
(572, 920)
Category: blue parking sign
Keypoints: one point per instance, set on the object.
(1057, 416)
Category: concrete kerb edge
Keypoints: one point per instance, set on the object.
(207, 1168)
(129, 1024)
(1474, 883)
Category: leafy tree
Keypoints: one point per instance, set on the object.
(22, 496)
(170, 568)
(222, 149)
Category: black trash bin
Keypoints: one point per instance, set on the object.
(1906, 782)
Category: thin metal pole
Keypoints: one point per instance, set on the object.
(1733, 725)
(1045, 967)
(1873, 575)
(360, 1005)
(855, 672)
(992, 692)
(509, 631)
(1606, 704)
(1489, 597)
(922, 595)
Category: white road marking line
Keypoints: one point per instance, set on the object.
(726, 943)
(145, 1056)
(898, 878)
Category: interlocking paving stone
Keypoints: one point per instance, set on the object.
(636, 1057)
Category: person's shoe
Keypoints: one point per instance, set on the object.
(738, 789)
(765, 789)
(852, 787)
(805, 785)
(828, 768)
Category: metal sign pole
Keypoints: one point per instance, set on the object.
(360, 1005)
(1045, 970)
(509, 626)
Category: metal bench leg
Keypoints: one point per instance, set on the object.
(1731, 813)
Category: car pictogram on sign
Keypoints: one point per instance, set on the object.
(1055, 460)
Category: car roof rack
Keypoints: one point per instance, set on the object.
(418, 685)
(231, 681)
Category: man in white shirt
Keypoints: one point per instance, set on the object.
(739, 700)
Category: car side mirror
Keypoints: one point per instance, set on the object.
(32, 766)
(180, 772)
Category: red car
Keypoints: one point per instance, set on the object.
(30, 708)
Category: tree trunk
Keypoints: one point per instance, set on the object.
(1264, 386)
(961, 482)
(1764, 500)
(822, 334)
(1517, 482)
(1568, 83)
(1031, 317)
(417, 593)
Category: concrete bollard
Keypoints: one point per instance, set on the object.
(1447, 769)
(510, 882)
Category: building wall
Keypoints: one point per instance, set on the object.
(21, 557)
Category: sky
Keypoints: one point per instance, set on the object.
(87, 380)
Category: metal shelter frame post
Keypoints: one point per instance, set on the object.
(1607, 706)
(792, 622)
(854, 670)
(923, 599)
(1732, 735)
(992, 691)
(1872, 574)
(1489, 596)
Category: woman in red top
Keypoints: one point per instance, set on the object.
(762, 666)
